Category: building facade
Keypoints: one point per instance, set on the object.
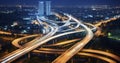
(41, 8)
(44, 8)
(48, 7)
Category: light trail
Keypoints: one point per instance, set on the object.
(80, 53)
(39, 41)
(75, 48)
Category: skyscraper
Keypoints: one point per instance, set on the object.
(41, 8)
(48, 7)
(44, 8)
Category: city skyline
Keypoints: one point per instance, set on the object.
(79, 31)
(62, 3)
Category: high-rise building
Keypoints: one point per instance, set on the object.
(41, 8)
(44, 8)
(48, 7)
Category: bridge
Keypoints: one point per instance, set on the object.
(74, 30)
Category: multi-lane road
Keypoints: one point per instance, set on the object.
(41, 40)
(28, 47)
(77, 47)
(53, 29)
(86, 52)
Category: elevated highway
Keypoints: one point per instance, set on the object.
(77, 47)
(26, 48)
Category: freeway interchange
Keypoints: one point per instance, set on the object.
(54, 31)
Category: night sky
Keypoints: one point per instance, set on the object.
(62, 2)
